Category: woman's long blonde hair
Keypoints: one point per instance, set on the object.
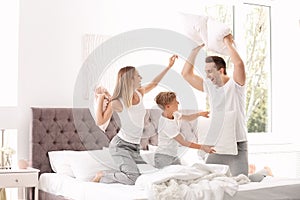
(124, 86)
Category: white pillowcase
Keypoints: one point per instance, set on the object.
(194, 26)
(85, 164)
(206, 30)
(146, 168)
(189, 156)
(148, 156)
(59, 164)
(82, 165)
(216, 31)
(226, 141)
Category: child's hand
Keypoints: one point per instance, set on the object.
(204, 114)
(208, 149)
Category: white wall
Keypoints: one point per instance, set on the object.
(50, 47)
(286, 69)
(50, 52)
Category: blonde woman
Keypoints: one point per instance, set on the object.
(127, 102)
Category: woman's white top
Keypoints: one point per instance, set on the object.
(132, 121)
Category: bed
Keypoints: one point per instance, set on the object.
(74, 132)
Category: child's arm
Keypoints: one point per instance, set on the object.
(208, 149)
(195, 115)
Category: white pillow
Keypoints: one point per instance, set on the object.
(82, 165)
(146, 168)
(219, 169)
(194, 26)
(225, 143)
(216, 31)
(85, 164)
(202, 128)
(152, 148)
(148, 156)
(189, 156)
(206, 30)
(59, 164)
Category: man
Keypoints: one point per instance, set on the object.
(226, 95)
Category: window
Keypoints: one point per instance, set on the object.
(251, 24)
(258, 65)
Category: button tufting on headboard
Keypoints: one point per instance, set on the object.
(59, 129)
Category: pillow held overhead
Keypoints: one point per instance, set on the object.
(206, 30)
(216, 31)
(194, 26)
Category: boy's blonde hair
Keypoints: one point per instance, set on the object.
(164, 98)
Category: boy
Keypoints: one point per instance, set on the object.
(169, 131)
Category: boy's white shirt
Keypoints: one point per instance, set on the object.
(167, 130)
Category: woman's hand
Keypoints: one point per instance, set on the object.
(99, 91)
(172, 60)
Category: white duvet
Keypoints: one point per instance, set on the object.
(198, 181)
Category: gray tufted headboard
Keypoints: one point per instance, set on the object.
(54, 129)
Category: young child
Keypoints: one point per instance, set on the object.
(169, 131)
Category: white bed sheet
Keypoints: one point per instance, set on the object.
(275, 188)
(270, 188)
(79, 190)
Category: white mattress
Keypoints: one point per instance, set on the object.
(275, 188)
(270, 188)
(79, 190)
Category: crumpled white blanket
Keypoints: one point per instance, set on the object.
(199, 181)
